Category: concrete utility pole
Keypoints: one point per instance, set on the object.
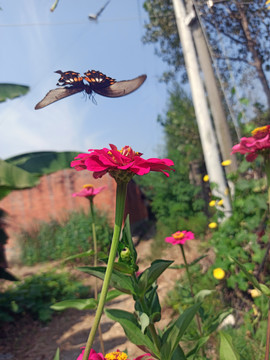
(214, 97)
(207, 134)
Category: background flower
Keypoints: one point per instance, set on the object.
(252, 146)
(92, 356)
(89, 191)
(219, 273)
(180, 237)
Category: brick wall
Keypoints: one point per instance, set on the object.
(52, 198)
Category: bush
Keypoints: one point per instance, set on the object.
(58, 240)
(34, 296)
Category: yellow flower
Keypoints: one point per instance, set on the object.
(206, 178)
(254, 293)
(220, 202)
(116, 355)
(219, 273)
(226, 162)
(212, 203)
(212, 225)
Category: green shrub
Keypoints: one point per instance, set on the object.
(58, 240)
(34, 296)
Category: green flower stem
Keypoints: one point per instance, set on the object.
(267, 170)
(190, 285)
(119, 214)
(95, 264)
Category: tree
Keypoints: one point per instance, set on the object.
(243, 27)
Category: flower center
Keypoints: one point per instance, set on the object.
(116, 355)
(178, 235)
(261, 132)
(88, 186)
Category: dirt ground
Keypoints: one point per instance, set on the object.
(28, 340)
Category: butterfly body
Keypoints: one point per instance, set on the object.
(71, 83)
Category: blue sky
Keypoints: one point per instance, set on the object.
(36, 42)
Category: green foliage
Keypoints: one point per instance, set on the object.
(66, 238)
(11, 91)
(176, 202)
(240, 236)
(12, 177)
(43, 162)
(36, 294)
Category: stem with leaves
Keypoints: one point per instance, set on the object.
(119, 214)
(95, 264)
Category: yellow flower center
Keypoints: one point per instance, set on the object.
(178, 235)
(219, 273)
(116, 355)
(88, 186)
(260, 131)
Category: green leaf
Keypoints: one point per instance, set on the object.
(12, 177)
(112, 294)
(172, 336)
(80, 255)
(123, 268)
(265, 290)
(118, 280)
(197, 347)
(226, 349)
(178, 354)
(199, 297)
(131, 328)
(144, 321)
(79, 304)
(151, 274)
(11, 91)
(57, 355)
(43, 162)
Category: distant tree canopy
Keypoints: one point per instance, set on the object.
(240, 27)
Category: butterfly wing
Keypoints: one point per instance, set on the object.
(57, 94)
(121, 88)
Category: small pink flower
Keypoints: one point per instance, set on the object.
(112, 160)
(92, 356)
(180, 237)
(89, 191)
(254, 145)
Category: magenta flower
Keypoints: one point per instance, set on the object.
(180, 237)
(119, 355)
(92, 356)
(89, 191)
(112, 160)
(254, 145)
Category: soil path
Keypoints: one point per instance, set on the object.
(69, 330)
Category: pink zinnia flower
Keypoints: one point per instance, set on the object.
(89, 191)
(253, 146)
(112, 160)
(119, 355)
(180, 237)
(92, 356)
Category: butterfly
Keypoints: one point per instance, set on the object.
(71, 83)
